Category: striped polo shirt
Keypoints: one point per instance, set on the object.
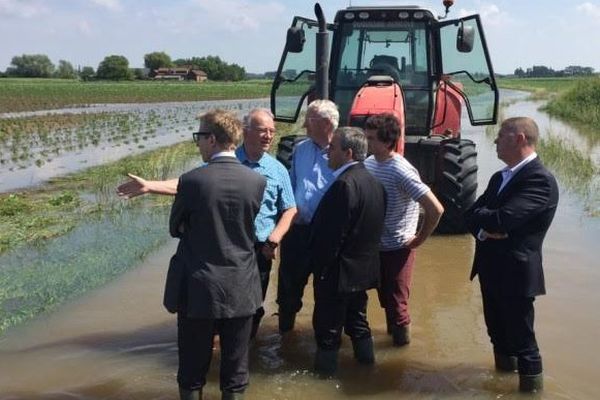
(403, 188)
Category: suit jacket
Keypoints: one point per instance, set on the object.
(213, 273)
(346, 230)
(524, 210)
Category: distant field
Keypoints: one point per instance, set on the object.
(41, 94)
(576, 100)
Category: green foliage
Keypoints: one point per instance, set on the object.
(580, 103)
(215, 68)
(87, 73)
(31, 66)
(65, 70)
(44, 94)
(157, 59)
(12, 205)
(114, 68)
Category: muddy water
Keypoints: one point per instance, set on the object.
(118, 342)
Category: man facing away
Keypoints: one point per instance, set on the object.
(344, 244)
(278, 206)
(212, 282)
(311, 177)
(510, 221)
(405, 193)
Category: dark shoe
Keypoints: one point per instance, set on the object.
(531, 383)
(401, 335)
(286, 321)
(186, 394)
(363, 350)
(326, 362)
(505, 363)
(232, 395)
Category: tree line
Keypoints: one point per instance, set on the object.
(542, 71)
(116, 67)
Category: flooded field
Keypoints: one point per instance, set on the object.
(40, 145)
(118, 343)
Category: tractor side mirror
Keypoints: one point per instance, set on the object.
(295, 40)
(465, 38)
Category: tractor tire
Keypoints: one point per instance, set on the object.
(285, 148)
(456, 183)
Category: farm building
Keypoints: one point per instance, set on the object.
(179, 73)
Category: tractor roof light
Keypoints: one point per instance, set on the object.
(349, 16)
(418, 15)
(403, 15)
(447, 4)
(363, 15)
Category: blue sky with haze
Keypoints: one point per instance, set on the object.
(251, 33)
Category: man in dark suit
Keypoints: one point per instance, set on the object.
(344, 244)
(213, 282)
(510, 221)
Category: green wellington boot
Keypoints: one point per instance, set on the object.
(186, 394)
(531, 383)
(363, 350)
(505, 363)
(401, 335)
(232, 395)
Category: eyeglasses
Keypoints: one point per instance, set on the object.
(197, 135)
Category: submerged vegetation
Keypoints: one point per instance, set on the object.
(45, 94)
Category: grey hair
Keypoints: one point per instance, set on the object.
(353, 138)
(326, 109)
(260, 110)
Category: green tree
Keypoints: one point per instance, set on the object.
(114, 68)
(87, 73)
(215, 68)
(31, 65)
(65, 70)
(157, 59)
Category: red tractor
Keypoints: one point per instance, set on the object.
(405, 61)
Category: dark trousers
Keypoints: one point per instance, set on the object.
(294, 269)
(334, 311)
(264, 271)
(195, 343)
(509, 322)
(396, 279)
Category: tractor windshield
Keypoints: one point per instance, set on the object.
(397, 49)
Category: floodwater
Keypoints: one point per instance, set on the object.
(118, 342)
(169, 123)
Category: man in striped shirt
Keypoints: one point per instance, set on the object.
(405, 193)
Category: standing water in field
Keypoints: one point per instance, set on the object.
(39, 145)
(119, 343)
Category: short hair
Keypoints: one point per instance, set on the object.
(248, 118)
(353, 138)
(224, 125)
(525, 125)
(326, 109)
(387, 128)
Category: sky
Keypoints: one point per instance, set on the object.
(251, 33)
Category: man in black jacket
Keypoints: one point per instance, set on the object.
(213, 282)
(510, 221)
(344, 244)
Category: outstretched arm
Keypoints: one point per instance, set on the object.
(137, 186)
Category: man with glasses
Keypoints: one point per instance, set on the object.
(278, 206)
(212, 282)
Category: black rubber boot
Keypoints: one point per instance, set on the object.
(505, 363)
(363, 350)
(326, 362)
(186, 394)
(232, 395)
(286, 321)
(531, 383)
(401, 335)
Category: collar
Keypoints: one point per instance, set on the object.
(343, 168)
(241, 155)
(511, 171)
(223, 154)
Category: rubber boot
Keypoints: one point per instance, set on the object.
(505, 363)
(232, 395)
(363, 350)
(286, 321)
(186, 394)
(401, 335)
(531, 383)
(326, 362)
(389, 323)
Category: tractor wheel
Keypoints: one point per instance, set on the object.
(285, 148)
(456, 183)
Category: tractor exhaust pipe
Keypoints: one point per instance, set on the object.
(322, 56)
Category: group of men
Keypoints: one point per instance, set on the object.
(349, 220)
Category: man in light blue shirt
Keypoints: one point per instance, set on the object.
(311, 176)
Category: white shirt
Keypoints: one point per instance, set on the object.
(508, 173)
(344, 167)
